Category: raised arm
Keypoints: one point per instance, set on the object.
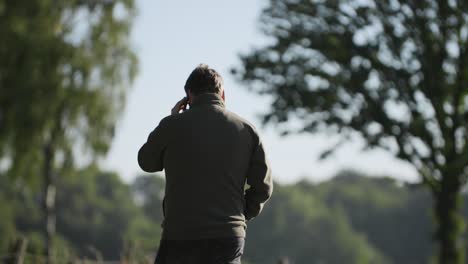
(151, 154)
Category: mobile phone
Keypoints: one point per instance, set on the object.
(185, 103)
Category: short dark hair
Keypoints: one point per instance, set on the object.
(203, 79)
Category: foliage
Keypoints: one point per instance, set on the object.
(149, 192)
(386, 212)
(92, 206)
(65, 67)
(97, 218)
(298, 225)
(393, 72)
(348, 219)
(64, 70)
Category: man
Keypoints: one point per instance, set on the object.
(208, 154)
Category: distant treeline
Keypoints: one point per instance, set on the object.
(350, 218)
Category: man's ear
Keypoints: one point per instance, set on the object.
(223, 96)
(189, 97)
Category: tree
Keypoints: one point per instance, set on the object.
(393, 72)
(64, 70)
(335, 221)
(298, 225)
(96, 212)
(385, 211)
(149, 192)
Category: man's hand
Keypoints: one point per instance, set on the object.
(179, 106)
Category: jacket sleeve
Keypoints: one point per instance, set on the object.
(259, 180)
(151, 154)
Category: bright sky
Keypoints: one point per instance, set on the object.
(171, 38)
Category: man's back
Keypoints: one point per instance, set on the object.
(207, 156)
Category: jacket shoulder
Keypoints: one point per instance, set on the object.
(169, 120)
(244, 122)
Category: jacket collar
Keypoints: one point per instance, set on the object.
(207, 99)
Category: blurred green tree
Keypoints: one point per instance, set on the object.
(298, 225)
(393, 72)
(348, 219)
(97, 214)
(64, 70)
(97, 218)
(386, 211)
(149, 193)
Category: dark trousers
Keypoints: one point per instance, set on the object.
(206, 251)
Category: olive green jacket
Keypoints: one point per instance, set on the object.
(208, 154)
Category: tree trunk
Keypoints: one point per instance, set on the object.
(18, 250)
(49, 200)
(449, 221)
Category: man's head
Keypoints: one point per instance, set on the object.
(203, 79)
